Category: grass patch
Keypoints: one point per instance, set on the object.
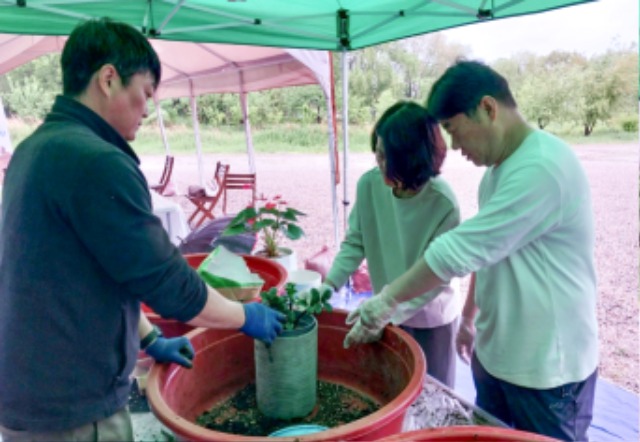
(294, 138)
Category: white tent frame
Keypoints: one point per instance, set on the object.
(283, 66)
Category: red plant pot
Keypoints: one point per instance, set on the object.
(467, 434)
(391, 372)
(272, 273)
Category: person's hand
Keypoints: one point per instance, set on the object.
(360, 334)
(370, 318)
(464, 339)
(178, 350)
(261, 322)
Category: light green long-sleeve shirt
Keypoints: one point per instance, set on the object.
(392, 234)
(532, 248)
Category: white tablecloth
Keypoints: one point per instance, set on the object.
(172, 216)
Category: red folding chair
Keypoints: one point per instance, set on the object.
(165, 177)
(206, 202)
(239, 181)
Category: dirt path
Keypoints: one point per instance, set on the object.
(304, 181)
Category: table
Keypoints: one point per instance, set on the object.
(172, 217)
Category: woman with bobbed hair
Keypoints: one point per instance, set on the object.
(401, 206)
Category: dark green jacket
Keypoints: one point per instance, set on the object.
(79, 249)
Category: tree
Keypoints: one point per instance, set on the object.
(545, 85)
(31, 88)
(370, 74)
(597, 90)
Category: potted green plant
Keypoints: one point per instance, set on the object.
(274, 220)
(287, 370)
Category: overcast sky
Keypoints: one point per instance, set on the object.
(588, 28)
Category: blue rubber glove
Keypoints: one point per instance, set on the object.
(178, 350)
(261, 322)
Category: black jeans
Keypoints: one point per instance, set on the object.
(563, 412)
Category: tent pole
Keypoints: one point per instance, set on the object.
(196, 132)
(247, 132)
(345, 136)
(332, 164)
(5, 139)
(165, 141)
(335, 158)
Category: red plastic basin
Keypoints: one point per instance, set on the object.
(390, 371)
(467, 434)
(272, 273)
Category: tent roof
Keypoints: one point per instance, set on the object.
(199, 68)
(312, 24)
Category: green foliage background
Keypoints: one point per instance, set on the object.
(583, 99)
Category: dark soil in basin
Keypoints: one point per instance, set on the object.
(336, 405)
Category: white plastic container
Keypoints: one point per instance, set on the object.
(304, 279)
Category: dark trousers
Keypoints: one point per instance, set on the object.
(438, 345)
(563, 412)
(117, 428)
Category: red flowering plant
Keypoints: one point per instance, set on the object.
(274, 220)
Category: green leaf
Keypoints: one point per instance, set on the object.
(273, 211)
(294, 212)
(235, 230)
(290, 288)
(244, 215)
(315, 296)
(259, 225)
(289, 216)
(326, 295)
(293, 232)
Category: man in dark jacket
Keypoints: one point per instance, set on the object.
(80, 249)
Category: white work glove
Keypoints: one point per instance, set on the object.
(464, 339)
(369, 319)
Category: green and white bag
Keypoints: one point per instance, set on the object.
(229, 274)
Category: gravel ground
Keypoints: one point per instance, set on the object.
(304, 181)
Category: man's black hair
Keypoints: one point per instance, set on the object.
(462, 86)
(97, 42)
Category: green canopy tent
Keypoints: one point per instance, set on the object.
(335, 25)
(311, 24)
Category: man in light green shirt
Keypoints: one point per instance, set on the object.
(401, 206)
(530, 248)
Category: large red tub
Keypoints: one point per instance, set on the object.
(391, 372)
(467, 434)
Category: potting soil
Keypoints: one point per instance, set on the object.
(336, 405)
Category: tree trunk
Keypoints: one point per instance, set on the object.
(588, 128)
